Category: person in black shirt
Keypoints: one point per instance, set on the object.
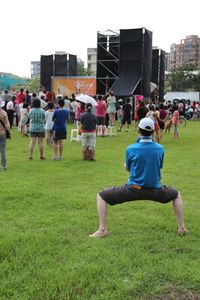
(127, 108)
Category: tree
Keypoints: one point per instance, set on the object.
(33, 85)
(81, 71)
(183, 78)
(196, 82)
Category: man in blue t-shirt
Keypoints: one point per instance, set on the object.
(144, 159)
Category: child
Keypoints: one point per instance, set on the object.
(49, 123)
(154, 116)
(24, 119)
(175, 120)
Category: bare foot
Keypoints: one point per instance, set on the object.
(182, 231)
(99, 234)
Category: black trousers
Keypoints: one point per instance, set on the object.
(10, 117)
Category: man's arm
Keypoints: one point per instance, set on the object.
(126, 168)
(128, 162)
(162, 160)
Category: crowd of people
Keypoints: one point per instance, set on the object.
(44, 114)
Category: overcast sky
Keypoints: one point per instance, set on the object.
(41, 27)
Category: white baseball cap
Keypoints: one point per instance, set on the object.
(146, 124)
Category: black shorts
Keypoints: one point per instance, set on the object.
(59, 135)
(101, 121)
(37, 134)
(126, 119)
(125, 193)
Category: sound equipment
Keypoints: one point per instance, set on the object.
(46, 71)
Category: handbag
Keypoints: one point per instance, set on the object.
(8, 135)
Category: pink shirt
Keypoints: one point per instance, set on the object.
(79, 111)
(101, 108)
(175, 117)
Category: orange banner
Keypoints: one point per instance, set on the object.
(77, 85)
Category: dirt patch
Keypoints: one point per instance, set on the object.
(174, 293)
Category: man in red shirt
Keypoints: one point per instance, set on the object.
(49, 95)
(21, 95)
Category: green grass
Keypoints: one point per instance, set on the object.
(48, 208)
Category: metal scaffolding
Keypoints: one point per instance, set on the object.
(108, 48)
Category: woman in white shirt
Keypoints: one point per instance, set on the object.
(49, 123)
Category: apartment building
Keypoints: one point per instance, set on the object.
(187, 52)
(92, 60)
(35, 69)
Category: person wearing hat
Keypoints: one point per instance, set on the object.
(4, 125)
(144, 159)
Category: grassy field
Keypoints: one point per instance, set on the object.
(48, 208)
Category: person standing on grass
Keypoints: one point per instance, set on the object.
(10, 107)
(127, 109)
(88, 132)
(175, 120)
(153, 114)
(101, 115)
(49, 123)
(120, 112)
(111, 102)
(163, 117)
(21, 95)
(24, 119)
(4, 125)
(141, 111)
(6, 97)
(67, 105)
(60, 129)
(36, 129)
(144, 159)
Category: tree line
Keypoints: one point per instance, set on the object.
(184, 78)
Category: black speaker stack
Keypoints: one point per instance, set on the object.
(56, 65)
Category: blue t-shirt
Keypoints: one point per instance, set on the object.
(144, 160)
(60, 119)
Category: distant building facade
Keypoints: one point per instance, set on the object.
(187, 52)
(60, 52)
(167, 61)
(92, 60)
(35, 69)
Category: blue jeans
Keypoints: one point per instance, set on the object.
(3, 150)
